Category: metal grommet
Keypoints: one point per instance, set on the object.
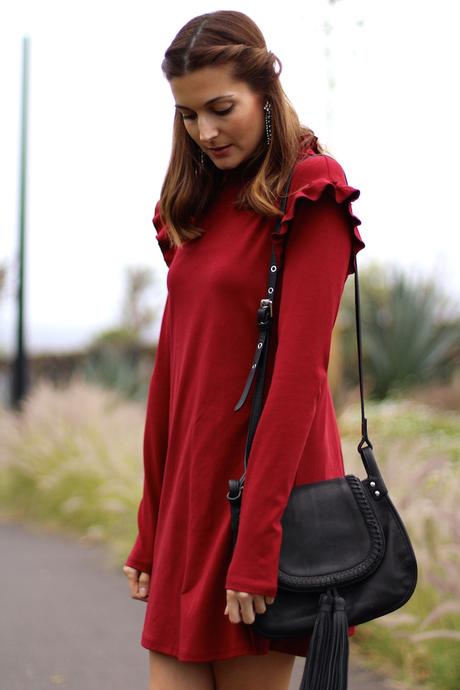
(372, 484)
(377, 493)
(270, 290)
(253, 366)
(272, 269)
(259, 345)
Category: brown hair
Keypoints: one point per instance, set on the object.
(217, 38)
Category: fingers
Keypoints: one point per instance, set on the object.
(139, 583)
(144, 584)
(242, 606)
(247, 607)
(259, 603)
(233, 607)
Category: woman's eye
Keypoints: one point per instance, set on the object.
(217, 112)
(224, 112)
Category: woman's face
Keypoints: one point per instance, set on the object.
(220, 112)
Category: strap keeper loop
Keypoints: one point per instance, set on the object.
(267, 303)
(265, 312)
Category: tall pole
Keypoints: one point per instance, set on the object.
(20, 369)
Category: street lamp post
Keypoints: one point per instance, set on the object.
(20, 381)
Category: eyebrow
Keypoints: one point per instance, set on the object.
(212, 100)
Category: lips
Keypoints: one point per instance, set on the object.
(220, 148)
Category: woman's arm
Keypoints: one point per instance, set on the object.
(154, 450)
(316, 260)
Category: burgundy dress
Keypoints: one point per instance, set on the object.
(194, 441)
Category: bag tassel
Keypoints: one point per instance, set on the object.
(326, 667)
(315, 671)
(340, 649)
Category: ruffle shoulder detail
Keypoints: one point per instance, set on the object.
(312, 177)
(167, 249)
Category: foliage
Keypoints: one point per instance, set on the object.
(113, 358)
(73, 459)
(410, 331)
(115, 364)
(418, 450)
(135, 316)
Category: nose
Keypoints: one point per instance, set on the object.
(207, 130)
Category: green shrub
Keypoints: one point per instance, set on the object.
(73, 458)
(417, 449)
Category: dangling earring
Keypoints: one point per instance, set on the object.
(268, 122)
(202, 159)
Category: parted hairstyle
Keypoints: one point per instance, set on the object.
(218, 38)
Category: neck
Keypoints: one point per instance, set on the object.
(243, 172)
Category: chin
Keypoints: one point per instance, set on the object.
(227, 163)
(238, 159)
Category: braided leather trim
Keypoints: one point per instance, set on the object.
(361, 570)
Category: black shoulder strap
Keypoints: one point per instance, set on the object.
(258, 366)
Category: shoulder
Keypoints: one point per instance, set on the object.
(168, 249)
(316, 173)
(315, 176)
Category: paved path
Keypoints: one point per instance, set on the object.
(67, 619)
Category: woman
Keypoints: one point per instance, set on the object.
(236, 141)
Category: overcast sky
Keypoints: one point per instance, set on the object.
(376, 81)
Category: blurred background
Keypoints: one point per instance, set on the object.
(376, 83)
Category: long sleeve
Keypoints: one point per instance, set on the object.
(156, 425)
(154, 450)
(316, 263)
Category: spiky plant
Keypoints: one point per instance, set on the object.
(410, 331)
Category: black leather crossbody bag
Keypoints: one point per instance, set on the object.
(346, 557)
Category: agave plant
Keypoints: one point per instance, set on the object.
(411, 333)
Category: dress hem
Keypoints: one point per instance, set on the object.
(150, 644)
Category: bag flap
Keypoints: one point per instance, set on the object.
(331, 535)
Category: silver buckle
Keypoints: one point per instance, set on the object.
(267, 303)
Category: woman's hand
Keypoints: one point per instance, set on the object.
(138, 583)
(242, 604)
